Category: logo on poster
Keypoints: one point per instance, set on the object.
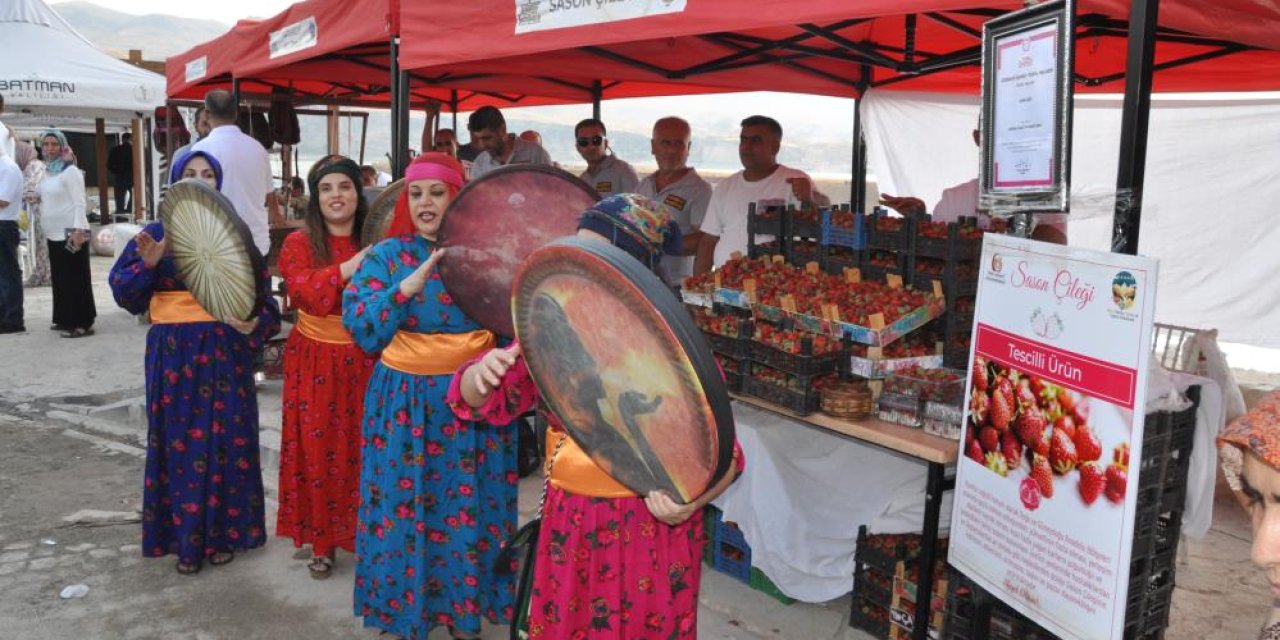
(995, 270)
(1124, 290)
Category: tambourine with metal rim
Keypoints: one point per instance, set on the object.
(494, 223)
(381, 211)
(213, 251)
(618, 359)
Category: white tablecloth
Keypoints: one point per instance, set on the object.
(804, 494)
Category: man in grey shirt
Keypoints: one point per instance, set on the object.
(606, 173)
(489, 128)
(678, 189)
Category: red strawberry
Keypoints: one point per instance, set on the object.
(979, 404)
(1011, 448)
(1004, 387)
(1029, 492)
(1001, 410)
(1081, 411)
(980, 380)
(1062, 452)
(1026, 397)
(1121, 455)
(996, 463)
(1033, 431)
(1042, 474)
(973, 451)
(1091, 482)
(1038, 385)
(989, 438)
(1067, 400)
(1087, 445)
(1117, 478)
(1065, 423)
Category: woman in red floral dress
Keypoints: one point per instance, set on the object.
(325, 373)
(610, 564)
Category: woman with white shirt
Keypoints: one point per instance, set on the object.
(62, 208)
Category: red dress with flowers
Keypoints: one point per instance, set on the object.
(605, 568)
(324, 385)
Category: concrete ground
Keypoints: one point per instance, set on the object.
(71, 429)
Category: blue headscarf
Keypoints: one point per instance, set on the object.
(66, 157)
(175, 174)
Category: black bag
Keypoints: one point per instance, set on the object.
(528, 444)
(161, 130)
(254, 123)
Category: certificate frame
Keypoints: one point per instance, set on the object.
(1028, 67)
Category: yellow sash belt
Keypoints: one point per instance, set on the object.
(177, 307)
(435, 354)
(575, 472)
(323, 328)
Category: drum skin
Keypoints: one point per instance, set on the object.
(618, 359)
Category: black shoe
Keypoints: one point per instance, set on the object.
(13, 328)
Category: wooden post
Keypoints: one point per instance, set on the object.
(138, 171)
(333, 130)
(100, 153)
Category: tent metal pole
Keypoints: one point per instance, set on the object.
(100, 167)
(149, 174)
(397, 153)
(1134, 118)
(597, 92)
(453, 107)
(401, 113)
(235, 91)
(858, 190)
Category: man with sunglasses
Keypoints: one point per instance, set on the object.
(724, 230)
(606, 173)
(678, 189)
(489, 128)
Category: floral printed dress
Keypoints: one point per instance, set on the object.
(605, 567)
(323, 403)
(437, 493)
(203, 489)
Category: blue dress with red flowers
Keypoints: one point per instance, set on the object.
(203, 488)
(437, 494)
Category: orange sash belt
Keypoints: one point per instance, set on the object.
(435, 354)
(323, 328)
(177, 307)
(575, 472)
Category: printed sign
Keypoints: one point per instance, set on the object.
(1025, 104)
(197, 68)
(544, 15)
(1045, 493)
(300, 35)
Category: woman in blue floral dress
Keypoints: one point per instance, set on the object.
(202, 497)
(437, 494)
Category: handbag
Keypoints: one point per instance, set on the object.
(525, 542)
(24, 221)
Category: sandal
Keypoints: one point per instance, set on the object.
(187, 569)
(221, 558)
(453, 633)
(320, 567)
(78, 332)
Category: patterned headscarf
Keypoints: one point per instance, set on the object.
(636, 225)
(67, 158)
(175, 174)
(428, 166)
(1257, 431)
(24, 153)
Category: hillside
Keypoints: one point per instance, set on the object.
(158, 36)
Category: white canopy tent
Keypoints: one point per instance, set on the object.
(1210, 192)
(52, 75)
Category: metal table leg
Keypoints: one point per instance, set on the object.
(934, 489)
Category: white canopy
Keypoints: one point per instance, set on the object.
(52, 75)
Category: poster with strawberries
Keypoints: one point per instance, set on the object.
(1045, 495)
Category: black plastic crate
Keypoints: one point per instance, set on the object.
(897, 240)
(801, 403)
(870, 616)
(872, 584)
(952, 285)
(876, 273)
(799, 365)
(734, 381)
(805, 228)
(736, 348)
(952, 247)
(837, 261)
(768, 222)
(1155, 532)
(883, 552)
(770, 248)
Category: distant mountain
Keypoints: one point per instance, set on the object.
(158, 36)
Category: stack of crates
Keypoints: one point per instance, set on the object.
(792, 381)
(1162, 491)
(890, 247)
(885, 584)
(727, 551)
(844, 235)
(728, 333)
(951, 261)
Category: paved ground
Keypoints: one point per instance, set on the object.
(70, 484)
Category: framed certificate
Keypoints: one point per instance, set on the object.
(1027, 70)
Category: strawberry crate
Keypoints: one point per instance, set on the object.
(763, 249)
(805, 223)
(883, 551)
(871, 617)
(891, 232)
(835, 233)
(710, 524)
(732, 554)
(938, 385)
(802, 364)
(956, 242)
(878, 263)
(802, 401)
(767, 219)
(957, 279)
(837, 259)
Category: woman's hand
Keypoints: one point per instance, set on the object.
(480, 379)
(243, 326)
(149, 250)
(417, 281)
(667, 510)
(349, 267)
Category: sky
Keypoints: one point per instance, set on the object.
(226, 11)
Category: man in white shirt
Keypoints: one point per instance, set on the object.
(489, 129)
(678, 189)
(11, 317)
(246, 169)
(724, 230)
(7, 143)
(606, 173)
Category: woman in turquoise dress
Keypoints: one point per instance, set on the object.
(437, 494)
